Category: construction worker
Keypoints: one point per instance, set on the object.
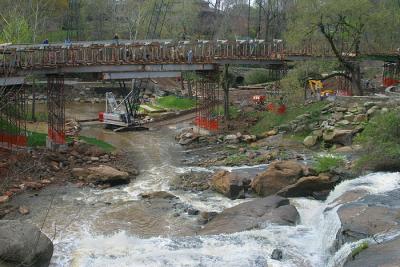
(190, 56)
(116, 39)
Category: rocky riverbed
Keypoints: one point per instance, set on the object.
(277, 211)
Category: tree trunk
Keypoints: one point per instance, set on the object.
(33, 102)
(356, 79)
(190, 91)
(226, 92)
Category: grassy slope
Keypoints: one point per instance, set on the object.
(174, 102)
(96, 142)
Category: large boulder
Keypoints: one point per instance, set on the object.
(279, 175)
(339, 136)
(229, 184)
(384, 254)
(309, 186)
(102, 175)
(252, 215)
(368, 216)
(23, 244)
(310, 141)
(186, 137)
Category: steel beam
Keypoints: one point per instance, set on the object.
(140, 75)
(123, 68)
(12, 81)
(256, 62)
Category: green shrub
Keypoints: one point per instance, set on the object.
(381, 141)
(357, 250)
(257, 76)
(326, 163)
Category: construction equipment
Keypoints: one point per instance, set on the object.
(316, 89)
(126, 113)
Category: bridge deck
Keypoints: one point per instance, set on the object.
(144, 56)
(140, 57)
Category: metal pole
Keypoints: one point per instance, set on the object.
(248, 22)
(226, 92)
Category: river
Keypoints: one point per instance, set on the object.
(113, 227)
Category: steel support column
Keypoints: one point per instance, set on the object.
(56, 110)
(207, 100)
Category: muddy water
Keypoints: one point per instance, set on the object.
(73, 110)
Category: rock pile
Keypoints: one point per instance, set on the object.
(188, 136)
(337, 123)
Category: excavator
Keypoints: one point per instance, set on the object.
(315, 90)
(125, 114)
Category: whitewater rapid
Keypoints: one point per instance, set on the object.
(307, 244)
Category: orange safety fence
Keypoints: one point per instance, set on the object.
(18, 140)
(208, 124)
(278, 109)
(58, 138)
(390, 81)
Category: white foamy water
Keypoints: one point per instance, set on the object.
(307, 244)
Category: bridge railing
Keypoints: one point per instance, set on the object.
(52, 56)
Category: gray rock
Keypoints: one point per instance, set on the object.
(102, 175)
(307, 186)
(231, 138)
(385, 254)
(344, 122)
(192, 211)
(158, 194)
(342, 137)
(384, 110)
(340, 109)
(23, 244)
(252, 215)
(310, 141)
(338, 116)
(278, 175)
(369, 105)
(368, 216)
(372, 111)
(229, 184)
(360, 118)
(277, 254)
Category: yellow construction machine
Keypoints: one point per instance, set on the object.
(315, 89)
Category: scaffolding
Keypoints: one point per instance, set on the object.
(207, 105)
(13, 132)
(56, 110)
(391, 74)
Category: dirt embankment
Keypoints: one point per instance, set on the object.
(38, 168)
